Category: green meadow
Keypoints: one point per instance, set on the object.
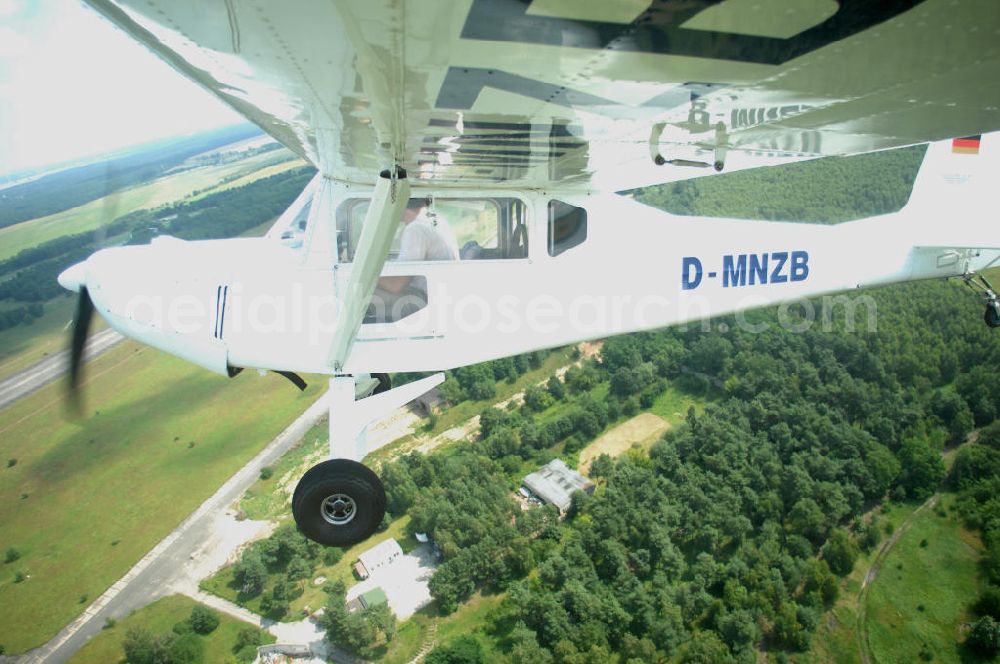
(82, 501)
(918, 603)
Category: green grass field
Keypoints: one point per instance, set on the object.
(469, 619)
(92, 215)
(673, 404)
(160, 617)
(87, 499)
(918, 601)
(269, 500)
(836, 638)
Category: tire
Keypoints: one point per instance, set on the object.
(384, 383)
(992, 316)
(338, 503)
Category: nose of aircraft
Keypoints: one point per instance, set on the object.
(74, 277)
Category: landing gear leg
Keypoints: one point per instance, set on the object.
(340, 502)
(992, 314)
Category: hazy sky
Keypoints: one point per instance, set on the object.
(72, 84)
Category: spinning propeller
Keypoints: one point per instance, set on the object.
(74, 278)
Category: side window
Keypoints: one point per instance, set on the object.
(294, 234)
(290, 228)
(567, 227)
(473, 229)
(474, 222)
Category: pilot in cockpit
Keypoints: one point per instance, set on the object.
(424, 238)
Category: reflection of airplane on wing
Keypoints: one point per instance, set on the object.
(519, 120)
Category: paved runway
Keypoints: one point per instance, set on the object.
(52, 368)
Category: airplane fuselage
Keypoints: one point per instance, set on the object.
(273, 304)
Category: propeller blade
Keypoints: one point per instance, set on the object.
(81, 327)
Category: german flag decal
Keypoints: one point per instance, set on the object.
(967, 145)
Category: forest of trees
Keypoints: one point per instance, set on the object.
(729, 536)
(709, 546)
(185, 642)
(289, 558)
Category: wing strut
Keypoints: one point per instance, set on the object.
(384, 214)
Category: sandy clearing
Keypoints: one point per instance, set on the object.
(644, 429)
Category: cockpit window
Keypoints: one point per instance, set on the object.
(293, 234)
(477, 229)
(567, 227)
(290, 228)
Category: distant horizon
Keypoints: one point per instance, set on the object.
(104, 155)
(73, 86)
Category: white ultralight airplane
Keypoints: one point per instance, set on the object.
(512, 123)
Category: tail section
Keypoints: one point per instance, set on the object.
(955, 201)
(955, 167)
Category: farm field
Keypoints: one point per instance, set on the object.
(78, 498)
(260, 173)
(152, 194)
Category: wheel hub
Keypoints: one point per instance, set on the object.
(338, 509)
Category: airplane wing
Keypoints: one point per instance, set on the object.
(588, 94)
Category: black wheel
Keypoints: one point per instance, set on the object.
(338, 502)
(384, 383)
(992, 315)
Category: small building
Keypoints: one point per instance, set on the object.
(373, 597)
(367, 599)
(555, 482)
(377, 557)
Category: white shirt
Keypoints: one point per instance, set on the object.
(425, 240)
